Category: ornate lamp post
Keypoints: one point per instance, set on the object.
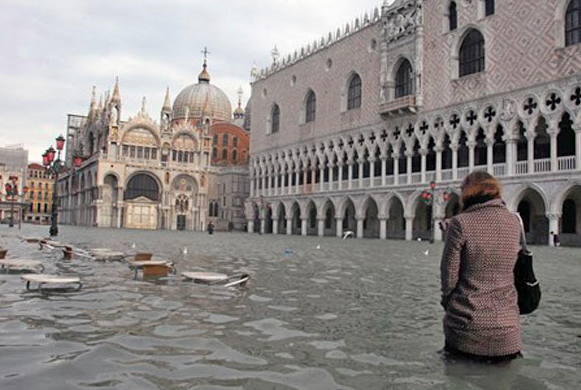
(431, 197)
(53, 167)
(11, 192)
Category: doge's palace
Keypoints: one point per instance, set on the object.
(350, 129)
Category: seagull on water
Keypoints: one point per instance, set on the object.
(133, 246)
(427, 253)
(319, 246)
(185, 250)
(348, 233)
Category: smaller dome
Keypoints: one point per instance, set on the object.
(238, 112)
(204, 75)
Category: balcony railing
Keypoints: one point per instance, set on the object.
(521, 168)
(404, 105)
(543, 165)
(567, 163)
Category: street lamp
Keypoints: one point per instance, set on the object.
(11, 192)
(53, 167)
(430, 197)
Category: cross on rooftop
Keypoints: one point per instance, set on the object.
(205, 52)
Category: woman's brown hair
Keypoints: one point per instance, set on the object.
(479, 187)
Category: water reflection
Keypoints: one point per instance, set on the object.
(354, 314)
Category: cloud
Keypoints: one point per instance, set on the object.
(53, 52)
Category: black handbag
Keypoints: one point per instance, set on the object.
(527, 286)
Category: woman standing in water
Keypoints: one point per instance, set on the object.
(478, 291)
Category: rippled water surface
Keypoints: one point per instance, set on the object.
(354, 314)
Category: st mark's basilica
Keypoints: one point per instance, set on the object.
(180, 173)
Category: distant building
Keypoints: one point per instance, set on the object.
(9, 204)
(14, 157)
(39, 197)
(147, 175)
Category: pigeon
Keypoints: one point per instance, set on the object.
(348, 233)
(185, 250)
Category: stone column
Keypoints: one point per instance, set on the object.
(252, 187)
(275, 226)
(454, 162)
(360, 227)
(297, 187)
(438, 151)
(262, 225)
(304, 226)
(269, 181)
(510, 156)
(423, 153)
(395, 168)
(383, 171)
(339, 223)
(371, 172)
(349, 174)
(409, 227)
(321, 227)
(264, 177)
(437, 231)
(330, 184)
(340, 178)
(553, 133)
(489, 156)
(471, 145)
(553, 226)
(531, 153)
(305, 177)
(276, 183)
(361, 161)
(250, 226)
(322, 178)
(289, 226)
(409, 155)
(577, 129)
(383, 228)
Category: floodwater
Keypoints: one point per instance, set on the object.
(354, 314)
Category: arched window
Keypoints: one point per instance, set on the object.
(472, 53)
(235, 142)
(311, 107)
(142, 185)
(224, 154)
(214, 153)
(354, 92)
(215, 142)
(489, 7)
(453, 16)
(224, 139)
(404, 80)
(234, 156)
(573, 23)
(275, 119)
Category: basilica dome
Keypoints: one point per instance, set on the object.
(203, 99)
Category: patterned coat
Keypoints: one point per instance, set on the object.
(478, 292)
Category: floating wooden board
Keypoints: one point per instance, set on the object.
(52, 279)
(20, 264)
(145, 263)
(205, 276)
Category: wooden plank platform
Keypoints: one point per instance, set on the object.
(42, 279)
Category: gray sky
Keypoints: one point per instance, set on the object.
(53, 51)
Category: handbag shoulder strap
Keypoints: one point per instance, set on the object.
(523, 236)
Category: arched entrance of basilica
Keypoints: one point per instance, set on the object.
(185, 200)
(142, 197)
